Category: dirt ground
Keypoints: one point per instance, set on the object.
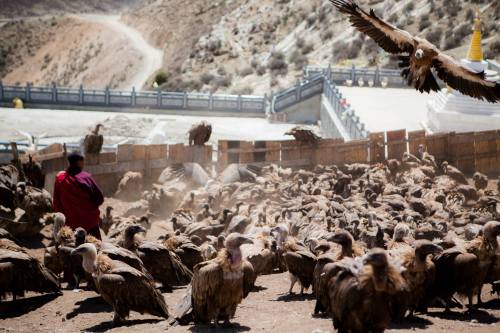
(268, 309)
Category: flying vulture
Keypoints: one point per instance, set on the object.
(418, 56)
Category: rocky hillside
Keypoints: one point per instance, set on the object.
(237, 46)
(257, 45)
(25, 8)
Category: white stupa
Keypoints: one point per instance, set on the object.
(450, 111)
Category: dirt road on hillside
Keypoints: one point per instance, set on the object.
(151, 57)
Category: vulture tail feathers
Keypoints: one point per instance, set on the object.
(183, 311)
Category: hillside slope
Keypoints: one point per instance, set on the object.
(257, 45)
(25, 8)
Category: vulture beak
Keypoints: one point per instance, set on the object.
(245, 240)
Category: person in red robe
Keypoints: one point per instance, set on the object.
(78, 197)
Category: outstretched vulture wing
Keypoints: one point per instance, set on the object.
(462, 79)
(390, 38)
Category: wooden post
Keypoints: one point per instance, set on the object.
(17, 162)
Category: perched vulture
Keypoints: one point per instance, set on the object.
(182, 246)
(9, 176)
(219, 285)
(454, 173)
(200, 133)
(163, 264)
(485, 247)
(300, 263)
(34, 173)
(20, 272)
(418, 56)
(419, 273)
(480, 181)
(92, 144)
(303, 134)
(360, 291)
(456, 271)
(122, 286)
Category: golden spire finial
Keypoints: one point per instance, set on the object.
(475, 52)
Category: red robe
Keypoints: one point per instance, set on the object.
(78, 197)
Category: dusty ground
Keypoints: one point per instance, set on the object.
(268, 309)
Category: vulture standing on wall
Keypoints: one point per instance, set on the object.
(20, 272)
(219, 284)
(200, 133)
(122, 286)
(92, 144)
(303, 134)
(418, 56)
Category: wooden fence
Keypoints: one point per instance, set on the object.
(108, 167)
(473, 151)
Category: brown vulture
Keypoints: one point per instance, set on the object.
(200, 133)
(419, 273)
(122, 286)
(456, 271)
(219, 285)
(303, 134)
(485, 247)
(360, 291)
(20, 272)
(92, 144)
(164, 265)
(418, 56)
(189, 252)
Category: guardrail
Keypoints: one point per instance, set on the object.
(133, 99)
(316, 84)
(373, 77)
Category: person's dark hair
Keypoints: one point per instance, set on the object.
(74, 157)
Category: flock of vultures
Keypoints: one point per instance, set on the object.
(372, 243)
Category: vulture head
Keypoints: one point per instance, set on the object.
(282, 233)
(424, 247)
(377, 258)
(491, 230)
(444, 166)
(401, 230)
(343, 238)
(96, 129)
(80, 235)
(232, 243)
(235, 240)
(133, 229)
(88, 252)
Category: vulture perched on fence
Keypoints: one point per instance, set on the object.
(122, 286)
(92, 144)
(163, 264)
(200, 133)
(418, 56)
(303, 134)
(360, 291)
(219, 285)
(20, 272)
